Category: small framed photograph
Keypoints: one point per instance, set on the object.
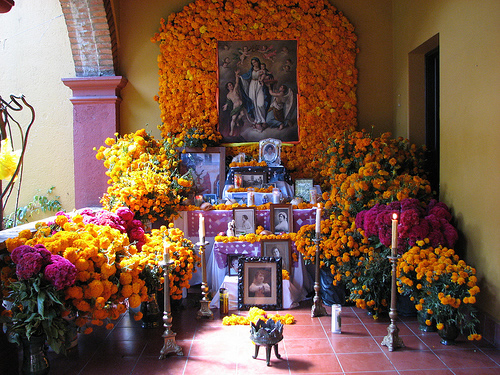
(303, 188)
(207, 168)
(270, 151)
(244, 219)
(210, 198)
(232, 264)
(278, 249)
(253, 179)
(281, 218)
(260, 283)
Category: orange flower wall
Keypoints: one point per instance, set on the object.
(327, 76)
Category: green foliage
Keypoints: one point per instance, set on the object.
(37, 308)
(40, 203)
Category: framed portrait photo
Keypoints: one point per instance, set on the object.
(253, 179)
(207, 168)
(244, 219)
(278, 249)
(270, 151)
(281, 218)
(260, 283)
(232, 264)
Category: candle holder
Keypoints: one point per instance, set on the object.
(317, 308)
(205, 311)
(392, 340)
(169, 345)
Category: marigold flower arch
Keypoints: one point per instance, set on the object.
(327, 76)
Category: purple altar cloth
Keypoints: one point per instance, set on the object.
(216, 220)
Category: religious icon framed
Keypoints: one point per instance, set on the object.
(260, 283)
(208, 169)
(257, 90)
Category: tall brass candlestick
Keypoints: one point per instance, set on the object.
(392, 340)
(169, 345)
(205, 311)
(317, 308)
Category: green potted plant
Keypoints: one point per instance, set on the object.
(37, 297)
(443, 286)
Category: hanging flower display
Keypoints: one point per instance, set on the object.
(144, 175)
(326, 54)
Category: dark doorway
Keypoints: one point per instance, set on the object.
(432, 116)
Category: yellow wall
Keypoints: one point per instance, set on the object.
(138, 23)
(469, 34)
(34, 55)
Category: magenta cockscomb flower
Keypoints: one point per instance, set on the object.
(125, 214)
(30, 264)
(61, 272)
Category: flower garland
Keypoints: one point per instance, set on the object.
(327, 76)
(254, 314)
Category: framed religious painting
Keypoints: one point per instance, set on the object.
(278, 249)
(281, 218)
(207, 168)
(260, 283)
(258, 90)
(244, 220)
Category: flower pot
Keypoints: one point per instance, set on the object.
(151, 313)
(330, 294)
(422, 317)
(35, 361)
(449, 333)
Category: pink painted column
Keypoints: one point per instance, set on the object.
(96, 116)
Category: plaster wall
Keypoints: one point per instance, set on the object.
(34, 55)
(469, 117)
(138, 60)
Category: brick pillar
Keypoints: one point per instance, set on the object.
(95, 117)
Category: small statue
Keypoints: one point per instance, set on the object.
(240, 158)
(230, 228)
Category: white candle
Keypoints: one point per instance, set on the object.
(202, 228)
(394, 244)
(250, 197)
(318, 221)
(166, 252)
(276, 196)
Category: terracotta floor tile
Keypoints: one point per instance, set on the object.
(317, 364)
(423, 360)
(365, 362)
(308, 346)
(344, 344)
(466, 358)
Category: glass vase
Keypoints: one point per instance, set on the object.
(449, 333)
(422, 317)
(151, 313)
(35, 361)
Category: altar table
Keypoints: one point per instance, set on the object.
(216, 221)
